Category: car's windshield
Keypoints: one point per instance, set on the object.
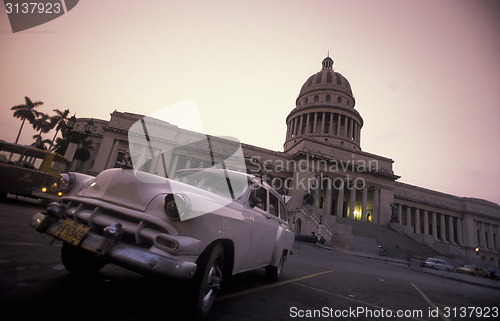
(223, 183)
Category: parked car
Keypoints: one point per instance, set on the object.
(31, 172)
(473, 270)
(194, 227)
(437, 264)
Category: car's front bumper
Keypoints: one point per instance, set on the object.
(109, 247)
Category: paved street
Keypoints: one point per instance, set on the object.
(316, 284)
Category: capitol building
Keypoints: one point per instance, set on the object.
(350, 197)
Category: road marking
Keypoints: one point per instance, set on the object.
(23, 244)
(28, 244)
(352, 299)
(426, 298)
(265, 287)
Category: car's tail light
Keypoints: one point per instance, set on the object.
(175, 205)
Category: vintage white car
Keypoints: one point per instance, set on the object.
(191, 227)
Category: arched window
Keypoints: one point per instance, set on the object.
(316, 98)
(339, 100)
(328, 98)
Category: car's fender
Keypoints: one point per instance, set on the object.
(284, 241)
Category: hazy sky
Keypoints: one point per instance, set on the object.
(425, 74)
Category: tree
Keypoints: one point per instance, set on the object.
(60, 146)
(40, 142)
(26, 112)
(43, 123)
(60, 121)
(83, 153)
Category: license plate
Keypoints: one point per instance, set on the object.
(72, 232)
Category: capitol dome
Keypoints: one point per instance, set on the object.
(327, 78)
(324, 111)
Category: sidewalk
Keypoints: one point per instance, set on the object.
(460, 277)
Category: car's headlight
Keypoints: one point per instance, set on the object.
(66, 181)
(175, 206)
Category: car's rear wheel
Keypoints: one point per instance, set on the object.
(208, 280)
(273, 273)
(79, 261)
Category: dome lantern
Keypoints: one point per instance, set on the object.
(327, 63)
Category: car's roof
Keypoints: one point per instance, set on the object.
(252, 178)
(215, 171)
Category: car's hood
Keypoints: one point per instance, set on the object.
(135, 190)
(126, 188)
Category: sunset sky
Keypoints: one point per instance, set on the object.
(425, 74)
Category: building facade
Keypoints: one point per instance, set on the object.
(323, 170)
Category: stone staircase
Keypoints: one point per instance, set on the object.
(366, 237)
(351, 235)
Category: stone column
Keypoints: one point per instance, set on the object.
(426, 222)
(400, 214)
(316, 191)
(434, 226)
(417, 221)
(171, 172)
(346, 122)
(451, 229)
(443, 228)
(482, 234)
(315, 122)
(349, 135)
(497, 244)
(364, 201)
(459, 231)
(330, 129)
(328, 205)
(323, 121)
(340, 200)
(408, 216)
(491, 246)
(339, 124)
(308, 123)
(376, 204)
(352, 202)
(301, 124)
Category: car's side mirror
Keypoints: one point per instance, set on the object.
(254, 201)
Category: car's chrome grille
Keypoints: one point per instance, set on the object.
(138, 227)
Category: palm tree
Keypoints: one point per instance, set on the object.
(26, 111)
(40, 142)
(60, 121)
(60, 146)
(43, 123)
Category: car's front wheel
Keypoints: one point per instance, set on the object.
(208, 280)
(79, 261)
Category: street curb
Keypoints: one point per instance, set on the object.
(399, 261)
